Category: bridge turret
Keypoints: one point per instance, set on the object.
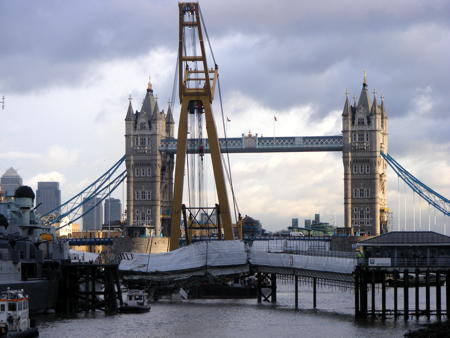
(130, 114)
(347, 118)
(156, 116)
(383, 116)
(364, 170)
(170, 123)
(129, 124)
(141, 166)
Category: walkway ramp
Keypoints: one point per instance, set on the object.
(304, 262)
(326, 267)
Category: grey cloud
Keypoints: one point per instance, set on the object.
(291, 53)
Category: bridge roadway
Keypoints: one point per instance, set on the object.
(256, 144)
(228, 258)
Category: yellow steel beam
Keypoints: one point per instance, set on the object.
(204, 95)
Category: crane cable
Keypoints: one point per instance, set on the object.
(228, 167)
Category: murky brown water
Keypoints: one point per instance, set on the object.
(234, 318)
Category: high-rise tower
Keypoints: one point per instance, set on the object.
(10, 181)
(149, 173)
(364, 137)
(48, 197)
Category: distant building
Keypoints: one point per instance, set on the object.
(49, 195)
(113, 210)
(251, 227)
(10, 181)
(295, 222)
(67, 230)
(93, 220)
(316, 219)
(317, 226)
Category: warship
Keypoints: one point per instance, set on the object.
(30, 252)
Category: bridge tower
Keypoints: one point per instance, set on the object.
(364, 137)
(149, 173)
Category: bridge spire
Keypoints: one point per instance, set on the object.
(130, 113)
(347, 110)
(374, 109)
(148, 104)
(169, 116)
(364, 96)
(156, 114)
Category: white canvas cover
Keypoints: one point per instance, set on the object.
(228, 257)
(195, 256)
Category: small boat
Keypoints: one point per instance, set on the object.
(14, 315)
(135, 301)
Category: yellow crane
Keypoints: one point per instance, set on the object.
(197, 84)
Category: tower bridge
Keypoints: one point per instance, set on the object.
(150, 150)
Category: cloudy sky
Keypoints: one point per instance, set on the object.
(67, 68)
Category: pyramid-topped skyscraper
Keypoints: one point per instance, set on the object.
(10, 181)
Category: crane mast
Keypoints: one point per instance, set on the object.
(197, 84)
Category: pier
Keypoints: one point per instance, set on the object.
(89, 287)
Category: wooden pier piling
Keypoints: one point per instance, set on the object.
(383, 295)
(416, 298)
(438, 295)
(314, 292)
(395, 280)
(405, 294)
(427, 294)
(273, 286)
(372, 289)
(447, 292)
(258, 288)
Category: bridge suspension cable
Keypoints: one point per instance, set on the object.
(433, 198)
(100, 196)
(103, 186)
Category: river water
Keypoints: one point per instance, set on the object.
(235, 318)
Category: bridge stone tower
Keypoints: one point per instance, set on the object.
(364, 137)
(149, 173)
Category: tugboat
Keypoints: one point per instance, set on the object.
(136, 301)
(14, 315)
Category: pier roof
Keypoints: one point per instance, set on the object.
(408, 238)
